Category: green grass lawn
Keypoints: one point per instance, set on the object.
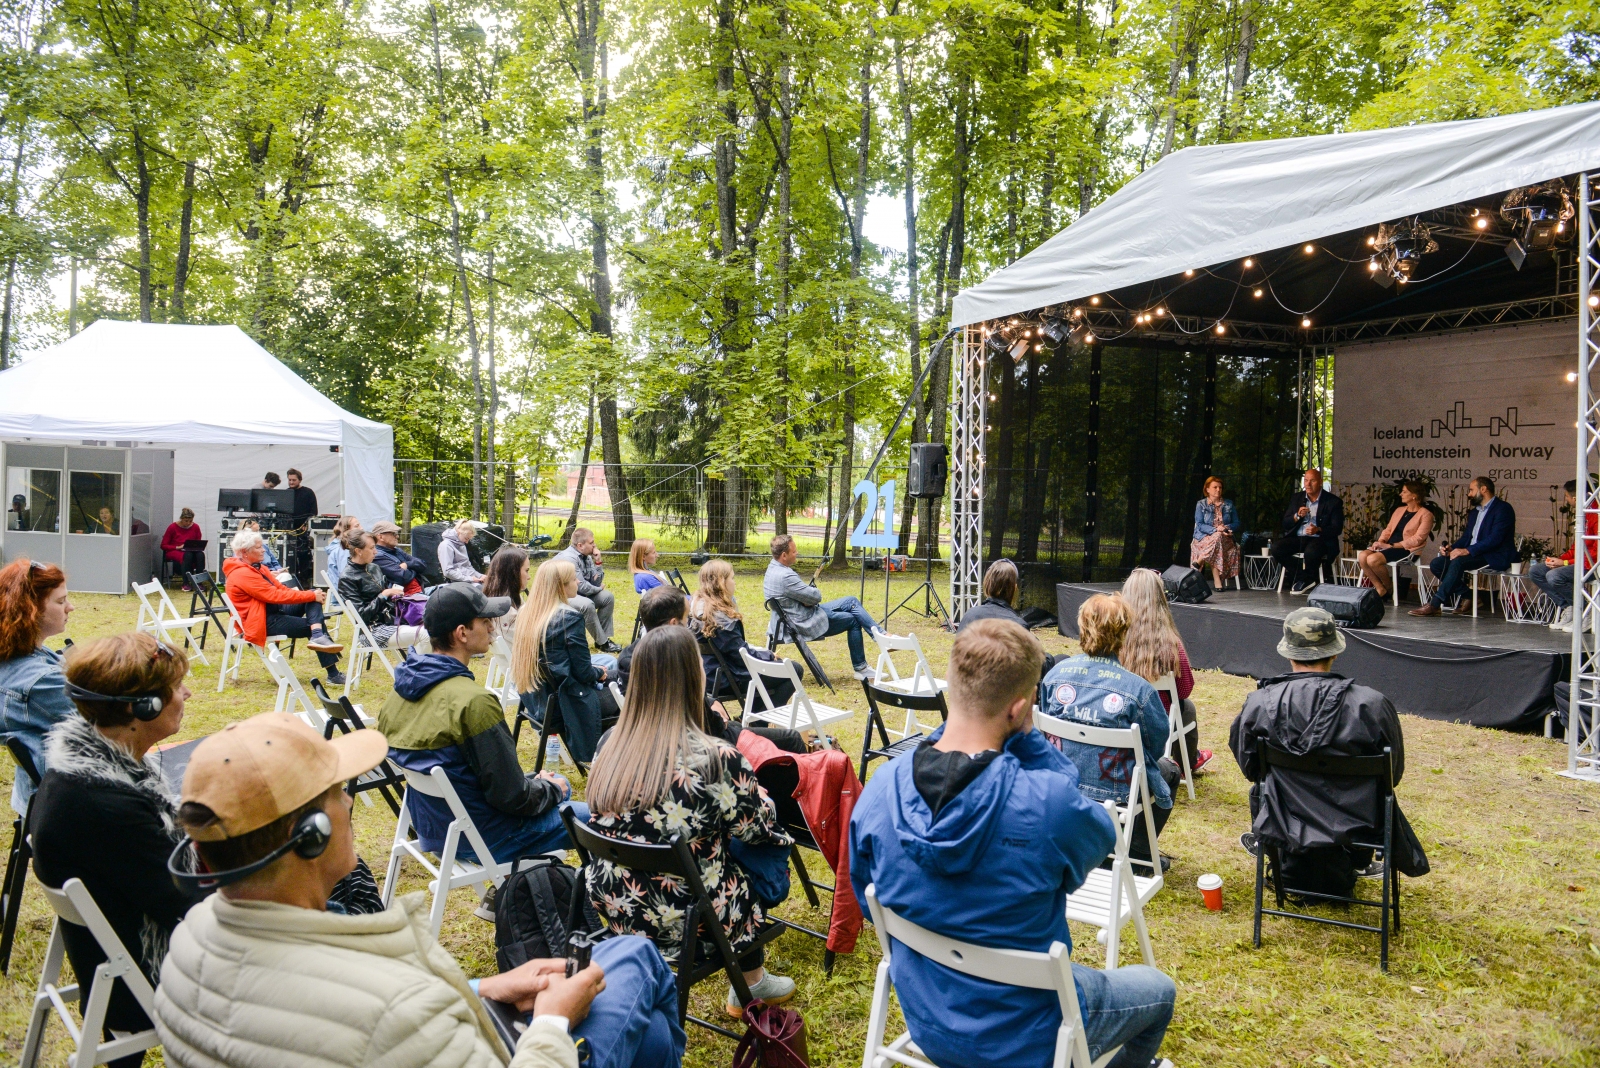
(1498, 962)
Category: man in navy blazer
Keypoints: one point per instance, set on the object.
(1489, 540)
(1311, 526)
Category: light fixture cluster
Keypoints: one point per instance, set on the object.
(1397, 250)
(1541, 218)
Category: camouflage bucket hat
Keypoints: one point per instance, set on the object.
(1309, 635)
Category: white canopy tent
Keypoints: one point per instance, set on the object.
(1215, 203)
(226, 408)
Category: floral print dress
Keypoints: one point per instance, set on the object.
(707, 805)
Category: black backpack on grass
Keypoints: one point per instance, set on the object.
(535, 909)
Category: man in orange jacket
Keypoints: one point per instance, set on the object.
(266, 606)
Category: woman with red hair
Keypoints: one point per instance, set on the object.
(33, 689)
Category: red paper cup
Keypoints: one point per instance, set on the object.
(1210, 885)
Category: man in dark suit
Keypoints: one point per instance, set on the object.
(1311, 525)
(1489, 540)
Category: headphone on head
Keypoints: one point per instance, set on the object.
(310, 838)
(144, 706)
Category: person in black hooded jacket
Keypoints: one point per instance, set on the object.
(1311, 818)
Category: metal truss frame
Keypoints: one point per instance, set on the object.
(969, 427)
(1113, 326)
(1583, 719)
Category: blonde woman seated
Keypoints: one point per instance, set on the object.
(714, 615)
(660, 776)
(641, 563)
(1409, 529)
(364, 591)
(1153, 648)
(550, 654)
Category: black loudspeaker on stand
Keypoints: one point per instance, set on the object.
(927, 471)
(1356, 607)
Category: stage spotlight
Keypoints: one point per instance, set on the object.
(1305, 324)
(1516, 253)
(998, 344)
(1538, 215)
(1020, 349)
(1056, 330)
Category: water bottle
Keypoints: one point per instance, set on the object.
(552, 752)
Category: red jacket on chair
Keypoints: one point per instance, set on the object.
(827, 796)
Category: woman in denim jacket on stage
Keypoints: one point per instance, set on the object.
(1093, 689)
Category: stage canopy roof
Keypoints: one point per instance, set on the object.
(161, 384)
(1205, 210)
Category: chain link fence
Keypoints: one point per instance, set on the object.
(731, 512)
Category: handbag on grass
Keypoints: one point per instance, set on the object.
(775, 1038)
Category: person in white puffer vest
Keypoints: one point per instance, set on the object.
(263, 974)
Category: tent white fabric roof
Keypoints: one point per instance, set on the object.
(1210, 204)
(164, 384)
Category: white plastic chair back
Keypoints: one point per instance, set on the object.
(292, 696)
(333, 607)
(74, 904)
(1050, 970)
(159, 618)
(801, 713)
(497, 679)
(922, 680)
(1177, 731)
(486, 874)
(362, 643)
(234, 643)
(1112, 899)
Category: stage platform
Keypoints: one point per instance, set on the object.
(1482, 671)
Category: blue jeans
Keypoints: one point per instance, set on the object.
(1555, 581)
(1130, 1007)
(847, 617)
(1451, 574)
(634, 1021)
(542, 834)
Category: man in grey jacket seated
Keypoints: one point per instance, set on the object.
(594, 602)
(454, 560)
(802, 603)
(264, 973)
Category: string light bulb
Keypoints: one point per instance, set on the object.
(1572, 376)
(1594, 300)
(1482, 222)
(1088, 339)
(1248, 262)
(1371, 239)
(1372, 265)
(1221, 329)
(1310, 249)
(1305, 324)
(1258, 293)
(1189, 273)
(1162, 312)
(1094, 300)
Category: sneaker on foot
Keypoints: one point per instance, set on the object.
(321, 643)
(485, 909)
(1247, 841)
(1371, 871)
(1202, 760)
(335, 678)
(866, 673)
(773, 989)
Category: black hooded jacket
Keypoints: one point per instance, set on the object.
(1323, 713)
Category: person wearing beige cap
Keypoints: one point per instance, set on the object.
(263, 974)
(399, 567)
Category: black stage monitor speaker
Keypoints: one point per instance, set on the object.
(425, 544)
(929, 468)
(1185, 585)
(1356, 607)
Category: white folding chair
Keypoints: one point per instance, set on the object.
(801, 713)
(332, 608)
(73, 904)
(486, 874)
(160, 619)
(497, 679)
(363, 646)
(1110, 900)
(922, 680)
(292, 696)
(1050, 970)
(234, 645)
(1177, 730)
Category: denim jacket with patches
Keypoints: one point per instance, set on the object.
(1099, 692)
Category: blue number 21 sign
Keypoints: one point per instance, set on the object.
(877, 496)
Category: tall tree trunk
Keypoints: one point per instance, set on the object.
(1241, 70)
(462, 282)
(583, 474)
(494, 387)
(14, 193)
(857, 218)
(180, 269)
(919, 419)
(141, 205)
(780, 473)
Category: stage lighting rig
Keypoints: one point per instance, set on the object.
(1397, 250)
(1055, 330)
(998, 344)
(1541, 217)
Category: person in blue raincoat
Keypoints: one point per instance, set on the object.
(979, 834)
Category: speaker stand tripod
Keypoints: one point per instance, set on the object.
(930, 596)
